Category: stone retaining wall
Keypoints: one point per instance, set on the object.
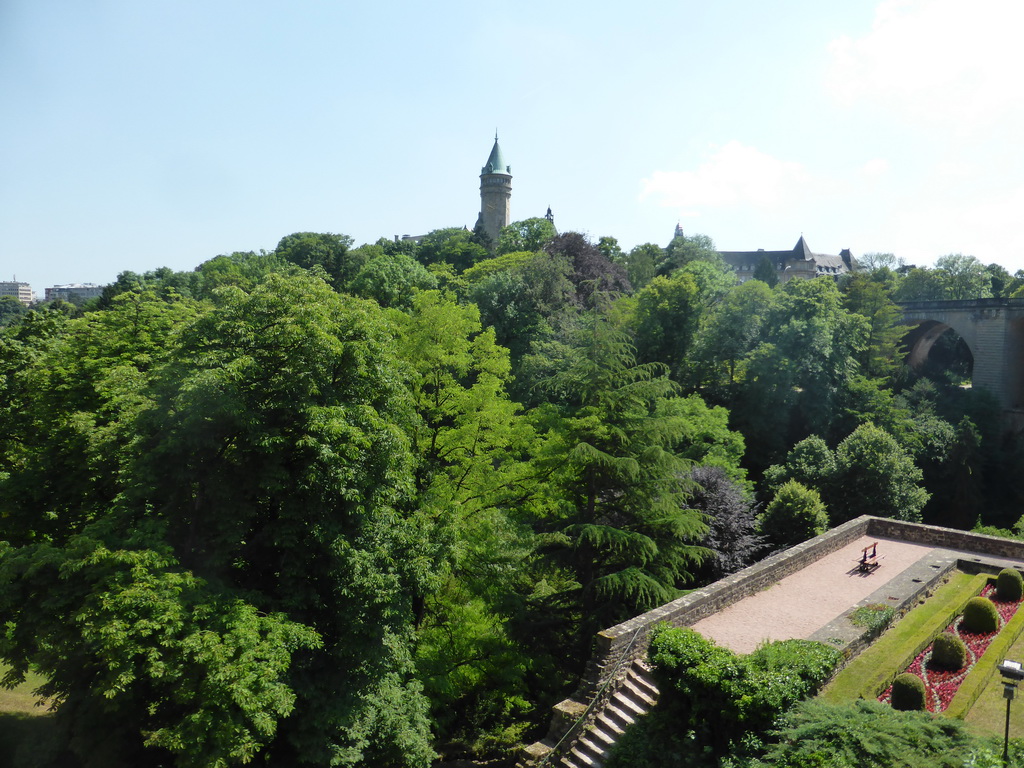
(947, 538)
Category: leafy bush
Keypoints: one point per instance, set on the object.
(908, 692)
(1009, 585)
(811, 662)
(866, 733)
(725, 698)
(949, 651)
(980, 615)
(874, 618)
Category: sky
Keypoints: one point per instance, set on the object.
(136, 135)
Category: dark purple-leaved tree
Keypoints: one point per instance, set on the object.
(732, 521)
(592, 272)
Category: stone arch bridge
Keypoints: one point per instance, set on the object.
(992, 329)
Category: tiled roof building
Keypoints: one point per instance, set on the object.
(801, 261)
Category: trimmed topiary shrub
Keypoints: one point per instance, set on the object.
(1009, 585)
(908, 692)
(949, 651)
(980, 615)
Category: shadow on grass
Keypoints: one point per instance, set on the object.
(32, 741)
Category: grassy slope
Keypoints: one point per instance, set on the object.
(988, 715)
(26, 730)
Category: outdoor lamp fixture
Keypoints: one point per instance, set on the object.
(1013, 673)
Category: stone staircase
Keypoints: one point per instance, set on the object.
(634, 698)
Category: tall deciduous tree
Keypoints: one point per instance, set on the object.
(468, 475)
(326, 250)
(391, 280)
(963, 277)
(236, 573)
(454, 245)
(526, 235)
(875, 476)
(869, 298)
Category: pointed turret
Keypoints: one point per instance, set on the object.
(802, 250)
(495, 194)
(495, 162)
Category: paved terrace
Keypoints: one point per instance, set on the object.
(813, 602)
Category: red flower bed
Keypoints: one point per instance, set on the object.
(942, 684)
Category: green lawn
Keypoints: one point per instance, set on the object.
(890, 653)
(988, 715)
(869, 674)
(21, 699)
(27, 737)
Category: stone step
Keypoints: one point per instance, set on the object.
(641, 693)
(634, 699)
(622, 718)
(627, 702)
(591, 748)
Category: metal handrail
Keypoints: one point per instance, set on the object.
(597, 697)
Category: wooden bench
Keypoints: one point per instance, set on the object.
(869, 559)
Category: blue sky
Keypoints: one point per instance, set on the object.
(162, 133)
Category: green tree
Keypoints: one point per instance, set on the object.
(611, 250)
(521, 300)
(920, 284)
(526, 235)
(810, 462)
(241, 269)
(455, 245)
(328, 251)
(881, 353)
(685, 249)
(795, 514)
(963, 277)
(241, 545)
(961, 485)
(668, 312)
(729, 334)
(618, 517)
(10, 310)
(642, 262)
(875, 262)
(875, 476)
(392, 280)
(468, 474)
(765, 272)
(1000, 280)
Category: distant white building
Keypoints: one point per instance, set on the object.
(74, 292)
(21, 291)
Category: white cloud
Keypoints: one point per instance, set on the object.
(935, 62)
(734, 175)
(874, 168)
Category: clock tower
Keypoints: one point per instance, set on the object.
(495, 194)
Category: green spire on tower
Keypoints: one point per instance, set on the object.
(495, 162)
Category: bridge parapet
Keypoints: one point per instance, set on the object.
(961, 304)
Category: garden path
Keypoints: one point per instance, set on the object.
(803, 602)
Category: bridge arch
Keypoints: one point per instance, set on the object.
(921, 339)
(992, 329)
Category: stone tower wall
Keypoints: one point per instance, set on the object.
(495, 203)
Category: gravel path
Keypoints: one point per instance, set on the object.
(807, 600)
